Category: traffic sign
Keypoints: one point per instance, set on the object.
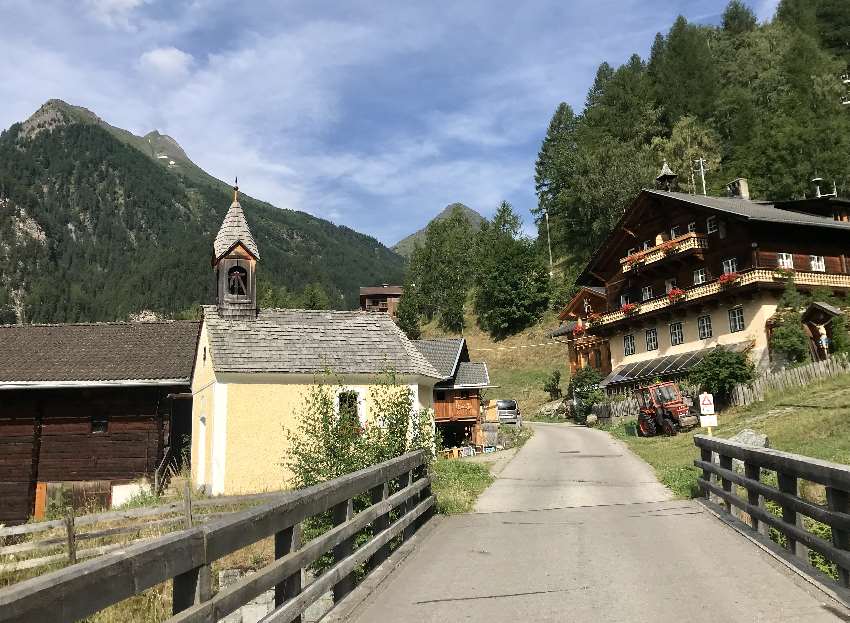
(706, 404)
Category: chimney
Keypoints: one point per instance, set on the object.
(739, 188)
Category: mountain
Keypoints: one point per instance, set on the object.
(97, 223)
(405, 247)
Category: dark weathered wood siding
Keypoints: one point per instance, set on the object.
(457, 405)
(47, 436)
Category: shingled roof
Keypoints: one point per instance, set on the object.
(443, 353)
(472, 374)
(234, 229)
(309, 341)
(98, 353)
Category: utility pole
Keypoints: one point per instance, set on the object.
(700, 162)
(549, 243)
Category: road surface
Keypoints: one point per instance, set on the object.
(576, 528)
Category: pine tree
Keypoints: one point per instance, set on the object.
(738, 18)
(407, 312)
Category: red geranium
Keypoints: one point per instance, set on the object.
(728, 278)
(675, 294)
(629, 308)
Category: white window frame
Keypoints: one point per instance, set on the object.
(730, 265)
(711, 225)
(647, 244)
(361, 402)
(654, 333)
(669, 284)
(631, 251)
(645, 293)
(817, 263)
(675, 231)
(677, 334)
(700, 276)
(625, 299)
(628, 345)
(739, 323)
(704, 329)
(692, 227)
(785, 260)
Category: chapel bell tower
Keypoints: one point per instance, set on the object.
(235, 257)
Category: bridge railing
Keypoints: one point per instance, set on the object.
(400, 499)
(770, 485)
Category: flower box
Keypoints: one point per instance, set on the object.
(728, 279)
(668, 247)
(594, 317)
(783, 273)
(629, 308)
(577, 331)
(675, 295)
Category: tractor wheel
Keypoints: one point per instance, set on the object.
(669, 427)
(646, 427)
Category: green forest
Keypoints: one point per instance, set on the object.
(760, 101)
(92, 229)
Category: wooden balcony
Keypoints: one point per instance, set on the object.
(705, 290)
(689, 243)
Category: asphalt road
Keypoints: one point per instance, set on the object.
(576, 528)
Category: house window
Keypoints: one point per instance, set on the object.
(785, 260)
(676, 334)
(628, 345)
(439, 395)
(669, 284)
(350, 408)
(736, 319)
(692, 227)
(704, 327)
(646, 293)
(730, 266)
(631, 251)
(624, 299)
(711, 224)
(647, 244)
(651, 339)
(817, 263)
(676, 231)
(700, 276)
(99, 424)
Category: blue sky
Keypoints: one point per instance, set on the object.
(371, 114)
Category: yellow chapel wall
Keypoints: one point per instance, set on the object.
(203, 409)
(261, 408)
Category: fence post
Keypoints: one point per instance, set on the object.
(377, 495)
(726, 463)
(839, 501)
(343, 512)
(285, 542)
(788, 484)
(71, 534)
(410, 530)
(195, 585)
(753, 472)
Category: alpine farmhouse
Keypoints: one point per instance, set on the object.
(686, 273)
(254, 366)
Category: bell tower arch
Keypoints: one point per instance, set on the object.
(235, 257)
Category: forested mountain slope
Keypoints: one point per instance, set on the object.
(761, 101)
(94, 225)
(405, 246)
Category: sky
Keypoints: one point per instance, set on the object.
(373, 114)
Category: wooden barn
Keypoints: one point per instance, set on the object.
(457, 399)
(90, 406)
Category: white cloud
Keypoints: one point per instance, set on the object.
(114, 13)
(166, 63)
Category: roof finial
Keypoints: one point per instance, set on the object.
(236, 190)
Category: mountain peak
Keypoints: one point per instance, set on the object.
(55, 113)
(405, 246)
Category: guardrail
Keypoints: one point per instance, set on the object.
(790, 469)
(400, 486)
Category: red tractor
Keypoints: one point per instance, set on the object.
(664, 409)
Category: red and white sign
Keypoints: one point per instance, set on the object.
(706, 403)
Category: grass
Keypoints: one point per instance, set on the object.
(518, 364)
(457, 484)
(812, 421)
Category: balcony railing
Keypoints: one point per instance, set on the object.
(675, 246)
(756, 275)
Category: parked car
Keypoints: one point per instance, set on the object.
(508, 412)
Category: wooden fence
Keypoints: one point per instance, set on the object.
(134, 521)
(788, 378)
(758, 465)
(400, 498)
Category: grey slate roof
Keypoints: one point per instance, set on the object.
(754, 210)
(234, 228)
(308, 342)
(443, 353)
(472, 374)
(565, 329)
(98, 352)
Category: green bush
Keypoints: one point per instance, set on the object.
(720, 371)
(585, 390)
(840, 337)
(552, 385)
